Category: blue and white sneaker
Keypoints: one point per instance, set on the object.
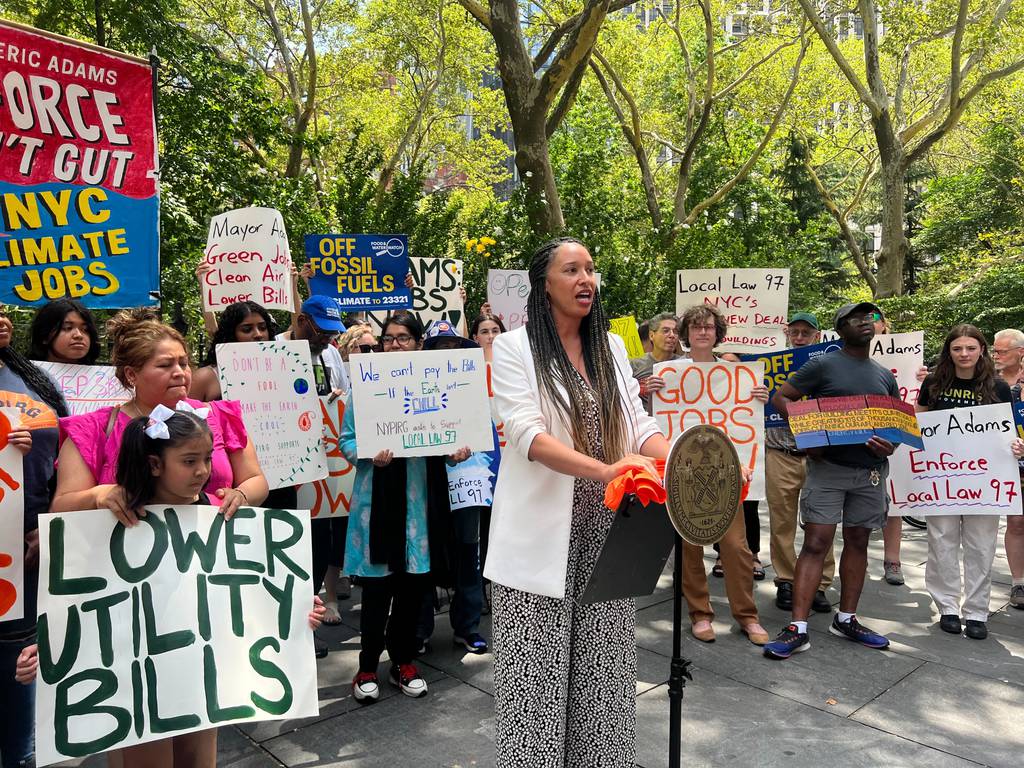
(854, 630)
(789, 641)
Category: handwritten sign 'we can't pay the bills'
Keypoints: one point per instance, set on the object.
(421, 403)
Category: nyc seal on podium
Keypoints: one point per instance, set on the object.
(703, 481)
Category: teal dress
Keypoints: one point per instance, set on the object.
(357, 543)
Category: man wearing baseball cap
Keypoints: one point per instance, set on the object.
(319, 322)
(785, 468)
(845, 484)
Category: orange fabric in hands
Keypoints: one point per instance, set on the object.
(646, 486)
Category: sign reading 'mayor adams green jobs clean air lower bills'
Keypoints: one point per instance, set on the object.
(182, 622)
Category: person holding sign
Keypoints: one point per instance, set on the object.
(564, 672)
(166, 458)
(845, 483)
(24, 386)
(395, 541)
(320, 323)
(63, 331)
(664, 330)
(964, 376)
(241, 321)
(704, 327)
(151, 359)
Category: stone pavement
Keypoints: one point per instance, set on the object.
(930, 700)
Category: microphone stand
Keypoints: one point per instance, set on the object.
(680, 670)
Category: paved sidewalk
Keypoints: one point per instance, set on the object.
(931, 700)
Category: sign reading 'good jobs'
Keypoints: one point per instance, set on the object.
(420, 403)
(183, 622)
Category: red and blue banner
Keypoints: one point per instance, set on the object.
(78, 173)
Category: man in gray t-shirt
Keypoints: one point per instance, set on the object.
(845, 484)
(665, 342)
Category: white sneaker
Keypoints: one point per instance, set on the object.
(407, 678)
(366, 687)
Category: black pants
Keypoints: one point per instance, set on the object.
(753, 525)
(391, 607)
(328, 537)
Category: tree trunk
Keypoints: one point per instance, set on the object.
(892, 255)
(533, 161)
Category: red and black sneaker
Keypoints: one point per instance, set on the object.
(366, 687)
(407, 678)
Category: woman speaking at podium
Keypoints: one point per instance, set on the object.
(564, 673)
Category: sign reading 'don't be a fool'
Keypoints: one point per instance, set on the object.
(249, 259)
(78, 173)
(182, 622)
(754, 301)
(273, 381)
(364, 272)
(420, 403)
(966, 467)
(717, 394)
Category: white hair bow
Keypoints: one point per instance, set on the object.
(156, 427)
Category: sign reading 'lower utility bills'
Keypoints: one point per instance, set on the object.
(78, 173)
(718, 394)
(754, 302)
(966, 466)
(420, 403)
(183, 622)
(363, 272)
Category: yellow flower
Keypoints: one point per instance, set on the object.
(481, 248)
(470, 244)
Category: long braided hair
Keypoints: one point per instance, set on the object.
(556, 376)
(34, 379)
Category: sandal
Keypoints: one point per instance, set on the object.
(758, 570)
(718, 571)
(331, 616)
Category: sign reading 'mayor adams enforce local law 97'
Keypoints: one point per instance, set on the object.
(79, 207)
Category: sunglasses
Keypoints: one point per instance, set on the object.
(367, 348)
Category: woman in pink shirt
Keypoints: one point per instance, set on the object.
(151, 359)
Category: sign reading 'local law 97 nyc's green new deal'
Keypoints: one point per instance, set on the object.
(183, 622)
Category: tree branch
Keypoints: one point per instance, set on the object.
(478, 11)
(833, 48)
(685, 165)
(749, 70)
(576, 48)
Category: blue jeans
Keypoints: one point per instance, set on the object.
(468, 601)
(18, 703)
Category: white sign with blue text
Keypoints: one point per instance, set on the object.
(421, 403)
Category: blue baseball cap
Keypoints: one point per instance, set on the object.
(442, 329)
(325, 312)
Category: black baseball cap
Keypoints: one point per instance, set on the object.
(848, 309)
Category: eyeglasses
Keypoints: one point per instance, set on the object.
(870, 317)
(995, 352)
(320, 331)
(668, 331)
(401, 339)
(708, 328)
(366, 348)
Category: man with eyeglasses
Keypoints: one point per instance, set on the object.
(845, 485)
(785, 468)
(1007, 352)
(319, 323)
(664, 337)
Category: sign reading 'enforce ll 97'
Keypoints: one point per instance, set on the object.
(78, 173)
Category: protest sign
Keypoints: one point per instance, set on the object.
(331, 496)
(625, 329)
(249, 259)
(852, 420)
(470, 482)
(903, 354)
(364, 272)
(86, 388)
(273, 380)
(435, 294)
(78, 173)
(755, 303)
(718, 394)
(966, 466)
(779, 366)
(12, 523)
(183, 622)
(508, 290)
(420, 403)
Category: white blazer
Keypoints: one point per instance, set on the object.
(532, 512)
